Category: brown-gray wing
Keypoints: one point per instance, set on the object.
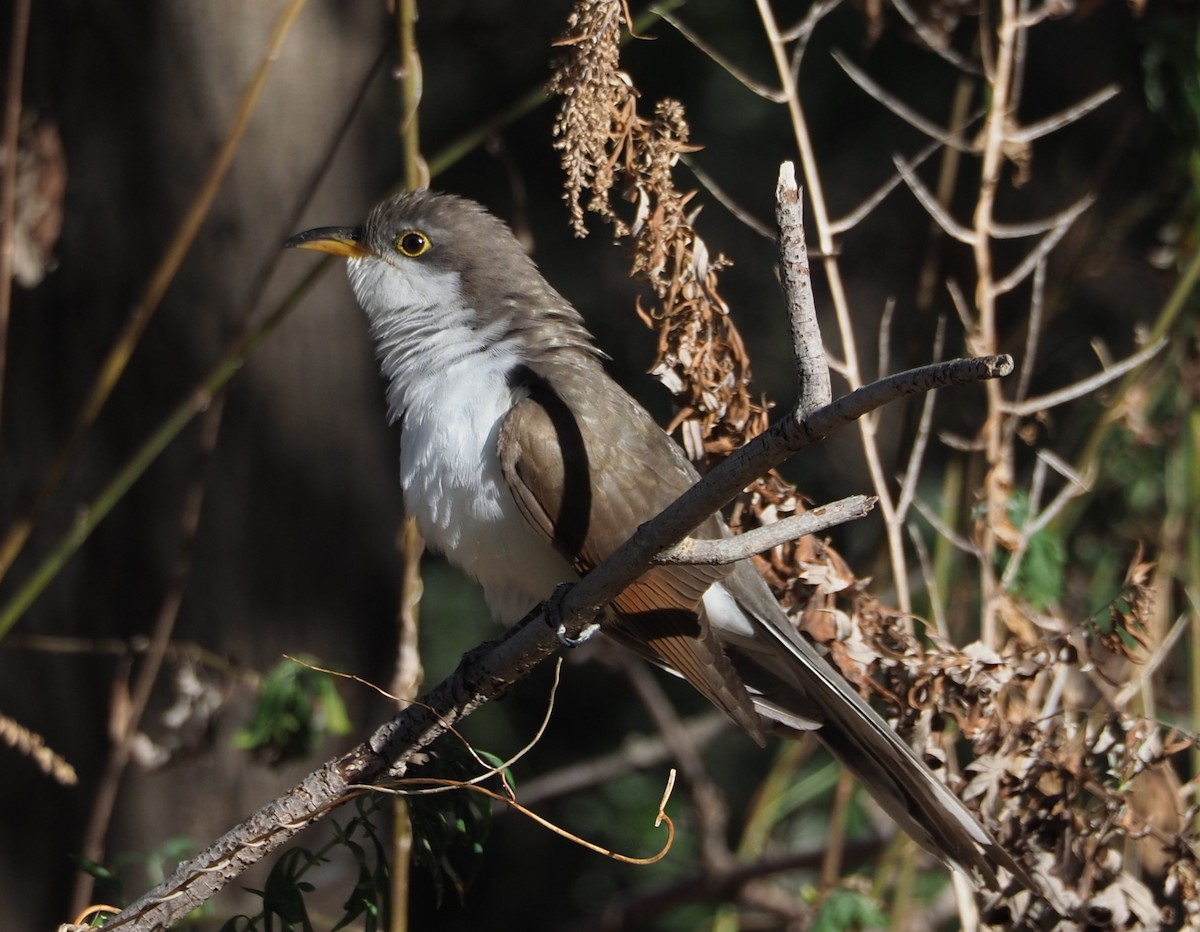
(578, 438)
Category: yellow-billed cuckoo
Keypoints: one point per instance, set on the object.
(526, 465)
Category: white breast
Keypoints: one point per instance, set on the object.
(448, 387)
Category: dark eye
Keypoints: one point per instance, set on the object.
(412, 243)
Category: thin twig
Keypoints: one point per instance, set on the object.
(884, 349)
(1146, 669)
(933, 40)
(961, 308)
(1083, 387)
(754, 87)
(1038, 521)
(711, 810)
(957, 540)
(803, 30)
(1033, 333)
(916, 455)
(761, 539)
(1043, 224)
(933, 207)
(850, 220)
(1065, 117)
(900, 108)
(932, 590)
(1039, 252)
(722, 197)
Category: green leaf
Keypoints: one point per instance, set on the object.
(296, 707)
(847, 909)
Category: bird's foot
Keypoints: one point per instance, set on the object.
(584, 636)
(554, 619)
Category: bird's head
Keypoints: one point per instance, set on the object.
(426, 251)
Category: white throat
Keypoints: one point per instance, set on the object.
(448, 386)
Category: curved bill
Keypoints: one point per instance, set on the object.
(340, 241)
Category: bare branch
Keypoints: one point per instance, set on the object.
(803, 30)
(949, 225)
(885, 337)
(722, 197)
(1079, 484)
(1037, 303)
(1037, 227)
(762, 539)
(934, 42)
(1142, 672)
(774, 95)
(808, 353)
(1084, 386)
(900, 108)
(931, 587)
(959, 300)
(957, 540)
(1041, 250)
(852, 219)
(912, 472)
(1039, 520)
(1065, 117)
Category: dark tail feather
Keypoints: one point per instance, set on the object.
(796, 688)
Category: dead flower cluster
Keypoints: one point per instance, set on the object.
(606, 144)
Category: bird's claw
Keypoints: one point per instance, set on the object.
(585, 635)
(554, 619)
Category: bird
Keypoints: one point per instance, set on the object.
(526, 465)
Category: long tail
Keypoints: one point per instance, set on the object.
(794, 687)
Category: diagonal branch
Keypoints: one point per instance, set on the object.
(490, 670)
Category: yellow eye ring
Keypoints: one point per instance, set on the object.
(412, 243)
